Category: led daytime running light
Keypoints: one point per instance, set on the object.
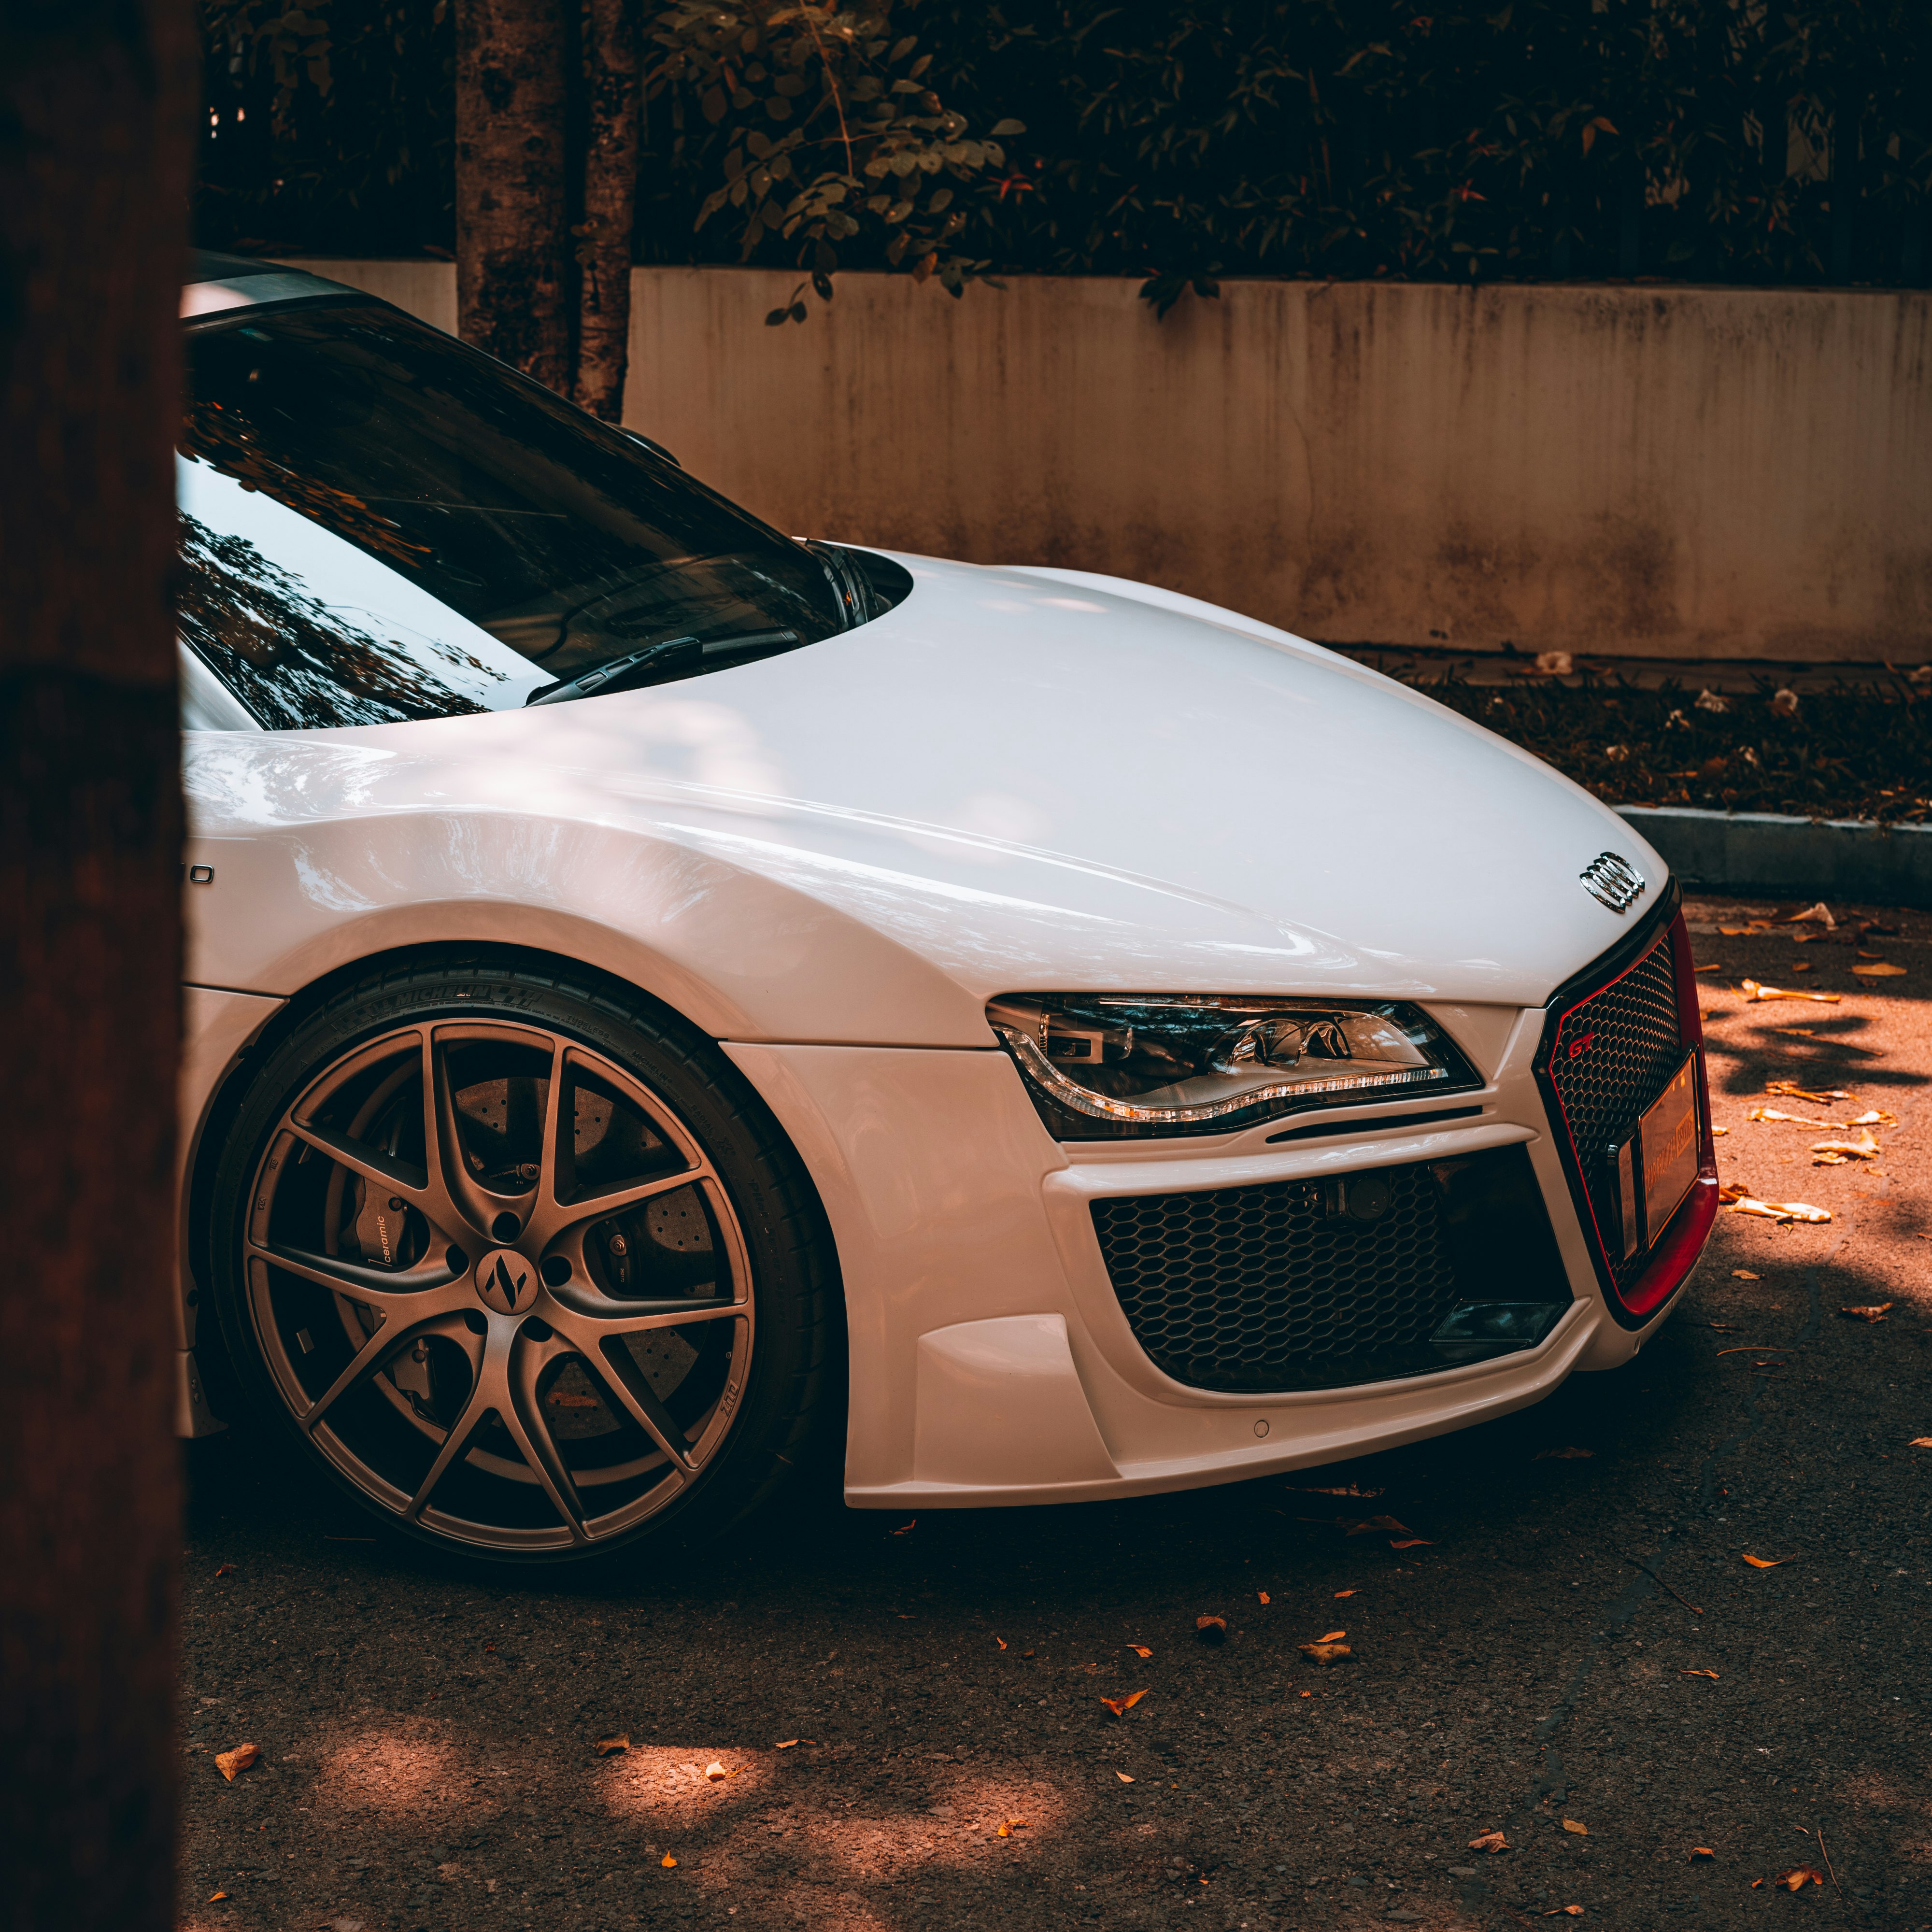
(1100, 1107)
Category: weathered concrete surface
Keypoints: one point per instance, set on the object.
(1644, 471)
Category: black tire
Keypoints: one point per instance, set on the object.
(633, 1334)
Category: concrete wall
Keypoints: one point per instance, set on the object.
(1646, 471)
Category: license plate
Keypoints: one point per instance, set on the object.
(1668, 1133)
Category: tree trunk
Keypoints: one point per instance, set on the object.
(96, 139)
(510, 238)
(611, 100)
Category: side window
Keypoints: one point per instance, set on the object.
(307, 630)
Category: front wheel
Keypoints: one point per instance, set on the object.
(524, 1267)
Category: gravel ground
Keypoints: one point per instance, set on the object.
(427, 1733)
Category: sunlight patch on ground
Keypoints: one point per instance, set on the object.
(401, 1773)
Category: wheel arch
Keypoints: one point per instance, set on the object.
(208, 1133)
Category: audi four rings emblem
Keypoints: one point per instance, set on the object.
(1612, 880)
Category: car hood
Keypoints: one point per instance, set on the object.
(1040, 780)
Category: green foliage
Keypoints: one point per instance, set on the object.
(1740, 140)
(329, 127)
(832, 132)
(1771, 141)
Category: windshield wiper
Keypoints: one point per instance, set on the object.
(592, 682)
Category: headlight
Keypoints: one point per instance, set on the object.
(1103, 1065)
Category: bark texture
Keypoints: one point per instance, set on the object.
(96, 133)
(511, 240)
(611, 154)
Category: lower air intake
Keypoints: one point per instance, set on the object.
(1319, 1284)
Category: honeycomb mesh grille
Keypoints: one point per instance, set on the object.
(1248, 1288)
(1615, 1053)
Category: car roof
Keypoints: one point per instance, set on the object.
(214, 282)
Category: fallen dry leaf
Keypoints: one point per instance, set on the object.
(1796, 1880)
(1819, 914)
(1211, 1630)
(230, 1763)
(1139, 1650)
(1765, 1562)
(1334, 1636)
(1879, 969)
(1413, 1543)
(1387, 1523)
(1875, 1312)
(1721, 1130)
(1326, 1653)
(1789, 1120)
(226, 1570)
(1571, 1825)
(1920, 1442)
(1864, 1148)
(215, 1898)
(1264, 1596)
(1711, 1674)
(1340, 1593)
(1008, 1826)
(715, 1771)
(610, 1747)
(1124, 1778)
(668, 1861)
(785, 1743)
(1732, 1191)
(1702, 1851)
(905, 1528)
(1562, 1455)
(1780, 1210)
(1001, 1642)
(1744, 1274)
(1874, 1117)
(1790, 1090)
(1752, 991)
(1347, 1489)
(1121, 1706)
(1565, 1911)
(1489, 1841)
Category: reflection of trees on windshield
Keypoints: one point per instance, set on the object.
(225, 439)
(290, 659)
(529, 518)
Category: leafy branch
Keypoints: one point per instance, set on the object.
(833, 134)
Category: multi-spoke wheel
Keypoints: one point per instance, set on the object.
(526, 1271)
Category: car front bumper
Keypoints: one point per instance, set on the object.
(991, 1362)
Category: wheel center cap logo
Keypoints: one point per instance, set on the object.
(506, 1281)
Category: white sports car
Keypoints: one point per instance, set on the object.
(662, 993)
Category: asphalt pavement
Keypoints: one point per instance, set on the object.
(845, 1720)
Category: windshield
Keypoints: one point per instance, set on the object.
(443, 535)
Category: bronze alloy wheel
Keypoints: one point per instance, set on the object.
(496, 1283)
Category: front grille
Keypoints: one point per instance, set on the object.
(1614, 1054)
(1314, 1284)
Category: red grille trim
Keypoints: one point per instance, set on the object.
(1673, 1253)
